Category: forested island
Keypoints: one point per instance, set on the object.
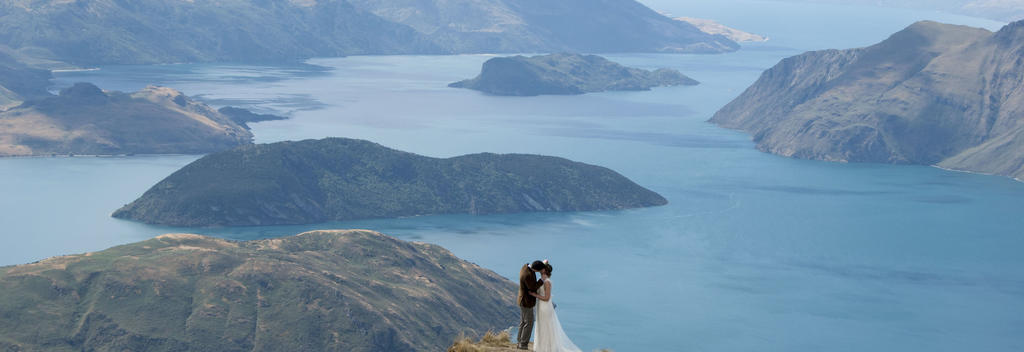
(331, 179)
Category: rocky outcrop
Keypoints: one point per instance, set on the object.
(565, 74)
(932, 94)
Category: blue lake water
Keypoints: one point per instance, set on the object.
(753, 253)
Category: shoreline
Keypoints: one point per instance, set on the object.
(977, 173)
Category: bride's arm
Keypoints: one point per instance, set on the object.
(547, 292)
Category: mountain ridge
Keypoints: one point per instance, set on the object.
(156, 31)
(932, 94)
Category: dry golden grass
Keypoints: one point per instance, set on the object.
(490, 342)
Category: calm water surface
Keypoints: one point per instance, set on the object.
(754, 252)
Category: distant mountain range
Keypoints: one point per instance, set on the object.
(84, 119)
(933, 94)
(94, 32)
(317, 291)
(565, 74)
(1002, 10)
(334, 179)
(604, 26)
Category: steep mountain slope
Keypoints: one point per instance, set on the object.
(565, 74)
(547, 26)
(19, 81)
(86, 120)
(930, 94)
(93, 32)
(318, 291)
(314, 181)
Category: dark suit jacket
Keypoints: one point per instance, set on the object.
(527, 283)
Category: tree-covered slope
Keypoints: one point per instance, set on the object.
(565, 74)
(341, 179)
(317, 291)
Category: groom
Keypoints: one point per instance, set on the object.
(528, 283)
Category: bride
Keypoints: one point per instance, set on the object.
(550, 337)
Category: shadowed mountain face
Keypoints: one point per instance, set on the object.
(93, 32)
(86, 120)
(317, 291)
(342, 179)
(565, 74)
(931, 94)
(19, 81)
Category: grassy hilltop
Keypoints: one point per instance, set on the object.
(318, 291)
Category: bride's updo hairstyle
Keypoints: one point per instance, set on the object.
(550, 268)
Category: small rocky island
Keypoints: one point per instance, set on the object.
(331, 179)
(318, 291)
(84, 119)
(931, 94)
(564, 74)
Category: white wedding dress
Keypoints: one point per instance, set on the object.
(549, 334)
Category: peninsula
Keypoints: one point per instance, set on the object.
(84, 119)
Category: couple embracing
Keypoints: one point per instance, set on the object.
(537, 293)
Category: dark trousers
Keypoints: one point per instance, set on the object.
(525, 326)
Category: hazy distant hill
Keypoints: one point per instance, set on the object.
(713, 27)
(86, 120)
(546, 26)
(565, 74)
(318, 291)
(91, 32)
(1002, 10)
(933, 93)
(315, 181)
